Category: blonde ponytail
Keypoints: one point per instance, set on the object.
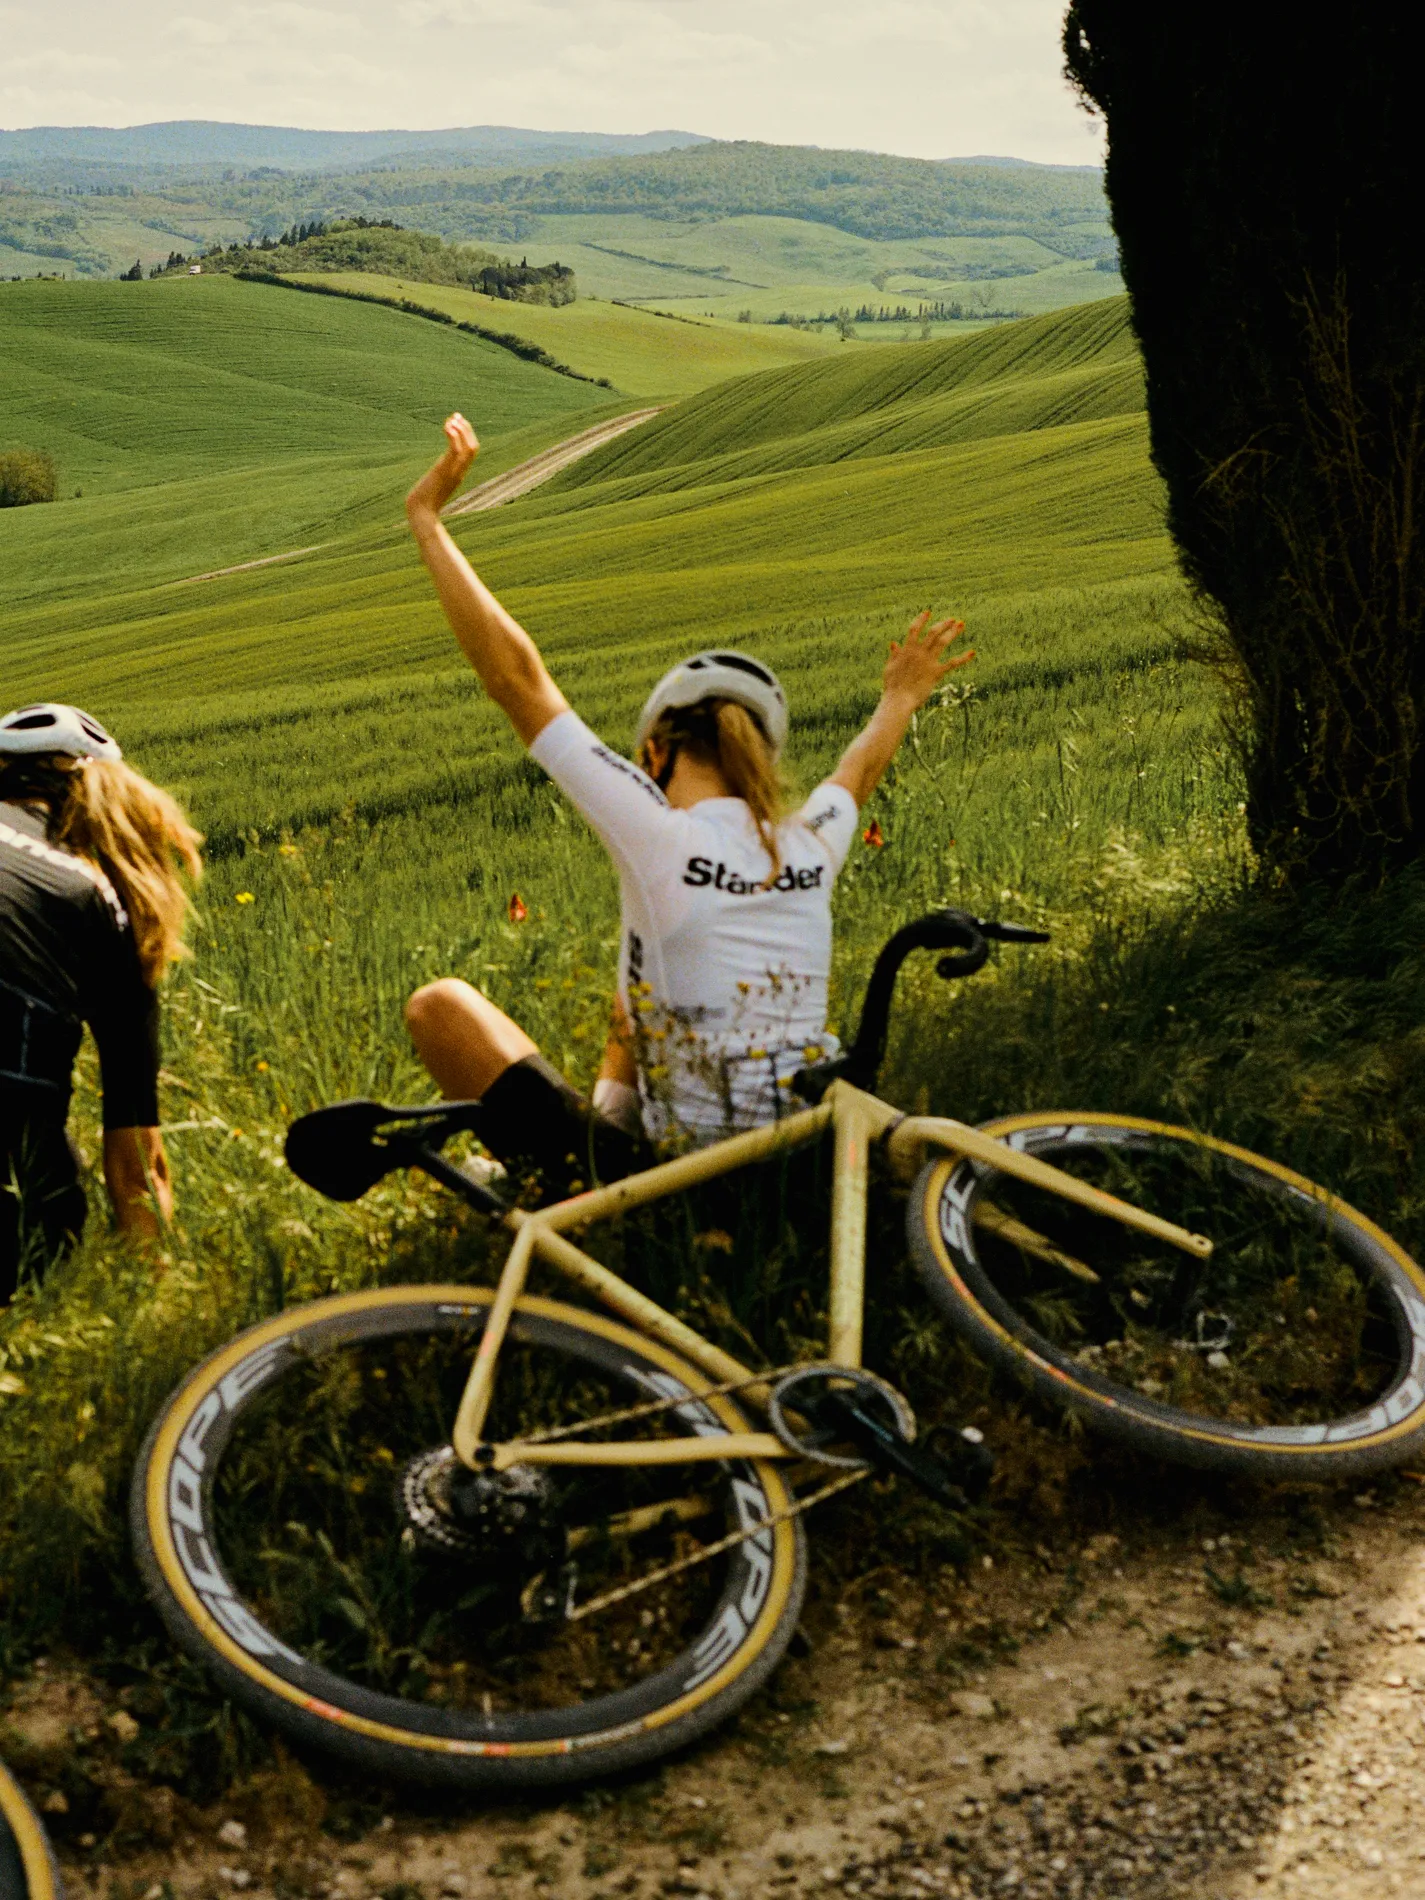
(721, 733)
(140, 838)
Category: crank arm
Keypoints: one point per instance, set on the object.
(886, 1448)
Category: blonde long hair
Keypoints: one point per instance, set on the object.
(721, 733)
(137, 834)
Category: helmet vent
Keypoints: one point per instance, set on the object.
(742, 664)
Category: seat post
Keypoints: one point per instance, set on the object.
(859, 1119)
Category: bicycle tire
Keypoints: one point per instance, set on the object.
(27, 1864)
(943, 1242)
(177, 1547)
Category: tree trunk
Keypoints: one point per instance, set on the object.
(1265, 176)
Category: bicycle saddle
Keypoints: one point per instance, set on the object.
(347, 1148)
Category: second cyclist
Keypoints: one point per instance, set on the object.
(726, 930)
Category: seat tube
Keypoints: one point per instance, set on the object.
(848, 1228)
(475, 1401)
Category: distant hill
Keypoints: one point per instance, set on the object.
(726, 228)
(1025, 164)
(190, 142)
(869, 194)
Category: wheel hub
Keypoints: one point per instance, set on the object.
(485, 1515)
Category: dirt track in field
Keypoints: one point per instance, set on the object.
(1184, 1718)
(543, 467)
(492, 494)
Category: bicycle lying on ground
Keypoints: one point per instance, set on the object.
(27, 1869)
(597, 1550)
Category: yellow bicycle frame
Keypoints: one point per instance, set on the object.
(855, 1119)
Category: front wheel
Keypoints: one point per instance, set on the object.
(1297, 1350)
(292, 1518)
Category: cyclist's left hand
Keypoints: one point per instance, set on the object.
(919, 663)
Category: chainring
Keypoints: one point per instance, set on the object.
(852, 1381)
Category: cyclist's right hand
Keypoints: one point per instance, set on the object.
(437, 485)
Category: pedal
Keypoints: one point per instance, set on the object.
(968, 1460)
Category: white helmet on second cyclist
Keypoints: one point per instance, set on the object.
(55, 728)
(721, 674)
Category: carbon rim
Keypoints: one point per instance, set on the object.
(208, 1613)
(943, 1238)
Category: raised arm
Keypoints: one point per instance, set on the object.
(914, 669)
(494, 642)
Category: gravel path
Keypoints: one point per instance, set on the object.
(492, 494)
(541, 468)
(1233, 1709)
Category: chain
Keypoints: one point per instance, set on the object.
(707, 1551)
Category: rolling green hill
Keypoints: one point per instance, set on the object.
(128, 384)
(798, 511)
(1005, 381)
(209, 421)
(638, 351)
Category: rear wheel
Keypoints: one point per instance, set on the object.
(1296, 1350)
(292, 1516)
(27, 1869)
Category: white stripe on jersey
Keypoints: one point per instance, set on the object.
(67, 861)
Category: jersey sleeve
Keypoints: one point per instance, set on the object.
(830, 814)
(622, 803)
(122, 1012)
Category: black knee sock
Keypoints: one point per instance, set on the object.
(531, 1115)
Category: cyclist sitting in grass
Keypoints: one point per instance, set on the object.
(726, 930)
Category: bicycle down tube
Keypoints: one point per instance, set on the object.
(856, 1120)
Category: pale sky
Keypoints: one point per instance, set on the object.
(930, 78)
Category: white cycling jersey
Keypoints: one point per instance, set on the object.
(724, 977)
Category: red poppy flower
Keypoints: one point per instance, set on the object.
(873, 836)
(519, 910)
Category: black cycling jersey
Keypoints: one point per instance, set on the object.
(68, 957)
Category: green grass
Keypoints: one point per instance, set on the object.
(129, 384)
(209, 422)
(1079, 366)
(375, 817)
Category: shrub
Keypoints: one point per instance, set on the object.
(26, 475)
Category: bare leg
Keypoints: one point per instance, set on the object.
(463, 1039)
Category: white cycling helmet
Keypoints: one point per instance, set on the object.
(720, 674)
(55, 728)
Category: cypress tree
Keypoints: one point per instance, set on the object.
(1263, 175)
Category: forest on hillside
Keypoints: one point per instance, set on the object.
(359, 244)
(868, 193)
